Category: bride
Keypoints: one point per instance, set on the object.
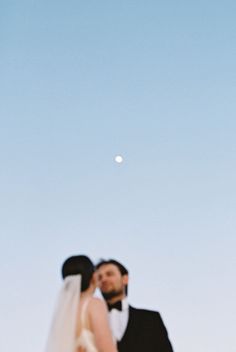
(80, 321)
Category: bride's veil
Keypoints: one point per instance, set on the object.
(63, 328)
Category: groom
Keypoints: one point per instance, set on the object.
(135, 329)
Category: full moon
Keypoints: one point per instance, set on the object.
(118, 159)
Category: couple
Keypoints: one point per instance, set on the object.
(82, 323)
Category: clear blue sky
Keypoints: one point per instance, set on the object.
(155, 81)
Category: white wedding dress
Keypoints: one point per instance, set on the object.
(86, 338)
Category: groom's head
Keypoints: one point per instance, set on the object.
(112, 279)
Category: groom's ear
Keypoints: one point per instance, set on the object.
(125, 279)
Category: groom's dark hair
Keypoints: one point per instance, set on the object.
(79, 264)
(120, 266)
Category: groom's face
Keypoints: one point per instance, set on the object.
(110, 281)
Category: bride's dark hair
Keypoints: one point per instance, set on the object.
(79, 264)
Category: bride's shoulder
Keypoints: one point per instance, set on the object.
(97, 303)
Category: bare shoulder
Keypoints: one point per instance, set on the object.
(97, 304)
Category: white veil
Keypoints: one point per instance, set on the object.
(63, 328)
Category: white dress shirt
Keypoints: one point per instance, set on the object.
(119, 320)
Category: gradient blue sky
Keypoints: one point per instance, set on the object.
(155, 81)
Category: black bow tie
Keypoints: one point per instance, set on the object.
(116, 305)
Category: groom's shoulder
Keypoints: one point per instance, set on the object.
(145, 312)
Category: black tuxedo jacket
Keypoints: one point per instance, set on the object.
(145, 332)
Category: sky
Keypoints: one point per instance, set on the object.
(153, 81)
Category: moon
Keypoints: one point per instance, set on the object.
(119, 159)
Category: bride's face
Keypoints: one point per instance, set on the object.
(95, 280)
